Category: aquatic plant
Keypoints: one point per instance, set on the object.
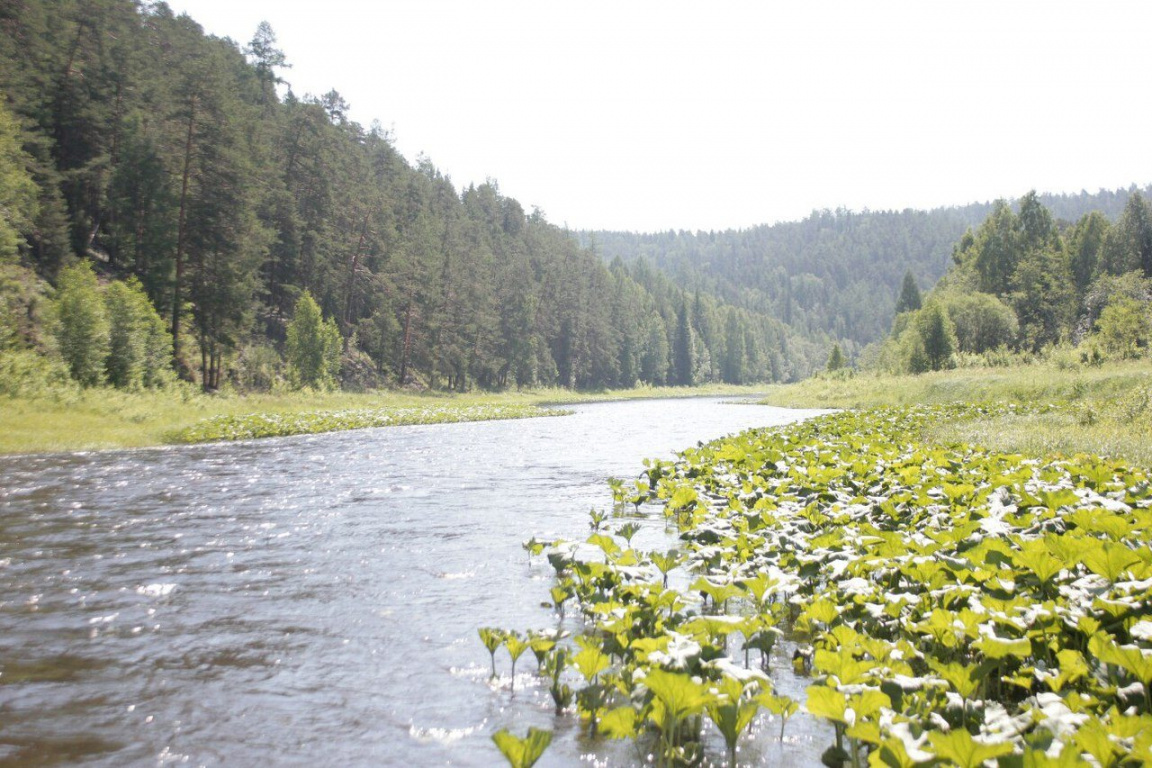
(516, 644)
(492, 638)
(522, 753)
(954, 605)
(259, 425)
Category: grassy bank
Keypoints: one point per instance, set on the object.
(1105, 410)
(98, 419)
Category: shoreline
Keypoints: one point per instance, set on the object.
(105, 419)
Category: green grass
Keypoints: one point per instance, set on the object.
(100, 419)
(1105, 410)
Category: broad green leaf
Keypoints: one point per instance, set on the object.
(606, 543)
(1002, 648)
(516, 645)
(491, 637)
(679, 694)
(684, 497)
(590, 662)
(826, 702)
(619, 723)
(842, 664)
(963, 750)
(964, 679)
(720, 593)
(522, 753)
(1110, 560)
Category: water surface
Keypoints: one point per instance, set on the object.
(313, 600)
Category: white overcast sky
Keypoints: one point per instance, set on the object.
(645, 116)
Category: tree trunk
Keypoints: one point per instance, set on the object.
(407, 343)
(181, 235)
(352, 274)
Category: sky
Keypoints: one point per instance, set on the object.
(649, 116)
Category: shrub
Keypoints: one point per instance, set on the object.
(1124, 329)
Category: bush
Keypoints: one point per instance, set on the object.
(259, 368)
(1124, 330)
(24, 373)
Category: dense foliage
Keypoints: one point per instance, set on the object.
(132, 141)
(1023, 282)
(836, 276)
(952, 604)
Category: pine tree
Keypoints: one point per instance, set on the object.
(684, 349)
(909, 299)
(835, 359)
(937, 335)
(18, 203)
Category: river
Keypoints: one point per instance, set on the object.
(313, 600)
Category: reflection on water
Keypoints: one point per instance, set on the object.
(312, 600)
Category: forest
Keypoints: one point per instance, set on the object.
(162, 188)
(1023, 284)
(171, 209)
(835, 277)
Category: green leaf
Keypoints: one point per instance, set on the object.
(826, 702)
(678, 693)
(732, 714)
(842, 664)
(963, 750)
(720, 593)
(591, 662)
(1110, 560)
(619, 723)
(823, 611)
(684, 497)
(606, 543)
(1002, 648)
(491, 637)
(963, 678)
(516, 645)
(522, 753)
(1131, 659)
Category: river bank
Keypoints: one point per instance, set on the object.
(1068, 408)
(102, 419)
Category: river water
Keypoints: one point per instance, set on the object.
(314, 600)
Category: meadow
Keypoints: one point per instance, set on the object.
(1099, 409)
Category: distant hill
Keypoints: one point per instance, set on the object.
(833, 276)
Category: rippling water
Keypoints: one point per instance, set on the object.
(312, 600)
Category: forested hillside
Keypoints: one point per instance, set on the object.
(181, 167)
(1021, 284)
(835, 276)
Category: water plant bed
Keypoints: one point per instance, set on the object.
(255, 425)
(953, 605)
